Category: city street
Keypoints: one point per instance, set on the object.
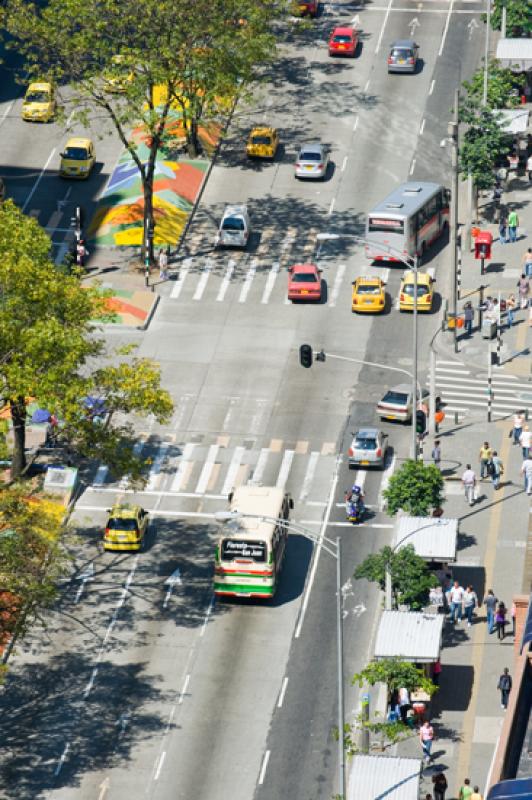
(141, 685)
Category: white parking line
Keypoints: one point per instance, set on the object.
(337, 284)
(202, 283)
(207, 469)
(270, 282)
(233, 470)
(226, 281)
(178, 285)
(286, 463)
(248, 280)
(186, 459)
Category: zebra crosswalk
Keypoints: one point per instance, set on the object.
(465, 392)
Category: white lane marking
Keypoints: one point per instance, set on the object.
(156, 466)
(207, 469)
(282, 692)
(184, 689)
(375, 525)
(227, 419)
(317, 503)
(260, 466)
(386, 475)
(90, 684)
(101, 475)
(412, 168)
(62, 759)
(248, 280)
(355, 124)
(137, 449)
(263, 768)
(422, 127)
(337, 284)
(331, 207)
(286, 463)
(366, 87)
(360, 478)
(208, 613)
(6, 112)
(186, 458)
(323, 523)
(344, 164)
(447, 21)
(226, 280)
(432, 85)
(85, 575)
(202, 283)
(385, 20)
(309, 474)
(37, 182)
(173, 580)
(233, 469)
(156, 493)
(256, 421)
(270, 282)
(184, 401)
(183, 272)
(159, 765)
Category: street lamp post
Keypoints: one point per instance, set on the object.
(334, 549)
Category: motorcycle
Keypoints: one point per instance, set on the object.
(354, 510)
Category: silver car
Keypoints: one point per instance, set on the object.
(368, 448)
(234, 228)
(403, 56)
(312, 161)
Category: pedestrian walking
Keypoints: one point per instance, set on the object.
(529, 167)
(470, 603)
(490, 601)
(436, 454)
(526, 472)
(469, 317)
(484, 456)
(525, 440)
(469, 482)
(513, 223)
(505, 686)
(511, 305)
(476, 794)
(513, 612)
(439, 782)
(495, 469)
(426, 737)
(526, 261)
(436, 672)
(503, 228)
(500, 620)
(81, 253)
(519, 421)
(163, 265)
(456, 599)
(523, 287)
(465, 790)
(404, 703)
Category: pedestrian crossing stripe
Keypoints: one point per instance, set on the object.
(462, 391)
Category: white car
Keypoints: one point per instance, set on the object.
(312, 161)
(234, 230)
(368, 448)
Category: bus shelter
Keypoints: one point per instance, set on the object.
(433, 538)
(387, 777)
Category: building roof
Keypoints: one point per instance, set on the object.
(514, 120)
(515, 54)
(433, 538)
(410, 635)
(383, 778)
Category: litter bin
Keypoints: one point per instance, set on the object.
(489, 329)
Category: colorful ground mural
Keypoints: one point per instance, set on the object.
(130, 307)
(119, 217)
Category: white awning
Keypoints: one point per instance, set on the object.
(409, 635)
(515, 54)
(514, 120)
(383, 778)
(432, 538)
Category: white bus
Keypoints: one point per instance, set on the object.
(408, 220)
(250, 551)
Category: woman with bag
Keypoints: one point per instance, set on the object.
(500, 620)
(440, 786)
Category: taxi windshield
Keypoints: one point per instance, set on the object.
(38, 97)
(76, 153)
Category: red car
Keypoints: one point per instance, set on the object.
(304, 282)
(343, 42)
(305, 8)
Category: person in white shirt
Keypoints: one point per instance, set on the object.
(469, 481)
(526, 471)
(456, 598)
(525, 440)
(470, 603)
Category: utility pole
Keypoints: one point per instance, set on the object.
(453, 136)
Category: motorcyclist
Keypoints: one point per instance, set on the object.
(354, 496)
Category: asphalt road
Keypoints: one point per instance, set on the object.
(139, 688)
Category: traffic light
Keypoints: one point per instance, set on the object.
(305, 355)
(421, 422)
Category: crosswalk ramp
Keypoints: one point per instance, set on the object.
(465, 392)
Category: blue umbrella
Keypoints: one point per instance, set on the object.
(95, 405)
(40, 415)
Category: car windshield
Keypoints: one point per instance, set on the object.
(310, 156)
(304, 277)
(120, 524)
(397, 398)
(233, 224)
(365, 289)
(37, 97)
(365, 443)
(242, 548)
(408, 289)
(261, 140)
(341, 38)
(76, 153)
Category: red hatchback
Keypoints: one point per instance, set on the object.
(304, 282)
(343, 42)
(304, 8)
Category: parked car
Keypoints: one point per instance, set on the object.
(235, 228)
(403, 56)
(368, 448)
(312, 161)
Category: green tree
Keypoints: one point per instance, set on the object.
(395, 674)
(176, 51)
(416, 488)
(48, 345)
(518, 17)
(503, 87)
(411, 577)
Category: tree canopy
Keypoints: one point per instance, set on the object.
(415, 488)
(502, 88)
(396, 674)
(411, 577)
(518, 17)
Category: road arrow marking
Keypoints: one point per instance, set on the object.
(413, 24)
(359, 609)
(471, 25)
(87, 574)
(173, 580)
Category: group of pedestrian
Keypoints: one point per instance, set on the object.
(508, 225)
(496, 615)
(461, 602)
(439, 782)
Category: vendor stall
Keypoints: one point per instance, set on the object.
(434, 539)
(387, 777)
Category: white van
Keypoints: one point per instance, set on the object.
(234, 230)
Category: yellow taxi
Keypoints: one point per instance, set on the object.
(424, 291)
(119, 75)
(39, 102)
(125, 528)
(368, 295)
(78, 158)
(262, 142)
